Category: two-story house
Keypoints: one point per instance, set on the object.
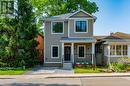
(68, 39)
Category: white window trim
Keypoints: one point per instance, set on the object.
(121, 51)
(52, 27)
(52, 51)
(84, 50)
(81, 20)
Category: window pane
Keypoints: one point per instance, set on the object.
(118, 49)
(10, 7)
(112, 50)
(55, 51)
(81, 26)
(81, 51)
(124, 49)
(57, 27)
(7, 7)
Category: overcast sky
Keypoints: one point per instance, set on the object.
(113, 16)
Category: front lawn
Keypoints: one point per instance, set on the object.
(88, 70)
(13, 72)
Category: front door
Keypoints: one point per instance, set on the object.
(67, 53)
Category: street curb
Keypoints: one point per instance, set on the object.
(85, 76)
(65, 75)
(89, 75)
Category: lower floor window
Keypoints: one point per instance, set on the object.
(118, 50)
(81, 51)
(54, 51)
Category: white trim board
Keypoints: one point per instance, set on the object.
(44, 44)
(77, 41)
(68, 28)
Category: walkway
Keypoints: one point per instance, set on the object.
(48, 70)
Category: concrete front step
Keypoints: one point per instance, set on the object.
(67, 66)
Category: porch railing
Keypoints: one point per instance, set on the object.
(87, 59)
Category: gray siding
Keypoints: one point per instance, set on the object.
(81, 15)
(53, 39)
(53, 65)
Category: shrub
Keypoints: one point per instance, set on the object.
(122, 64)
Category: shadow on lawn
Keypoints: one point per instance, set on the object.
(33, 84)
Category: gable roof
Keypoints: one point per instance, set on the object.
(81, 10)
(118, 35)
(68, 15)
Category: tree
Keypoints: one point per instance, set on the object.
(17, 38)
(56, 7)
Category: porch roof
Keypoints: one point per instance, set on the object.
(86, 39)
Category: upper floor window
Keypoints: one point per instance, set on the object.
(57, 27)
(81, 26)
(7, 7)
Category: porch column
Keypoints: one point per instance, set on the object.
(109, 60)
(72, 52)
(62, 54)
(93, 52)
(128, 51)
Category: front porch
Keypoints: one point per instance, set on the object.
(78, 53)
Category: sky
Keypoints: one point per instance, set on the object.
(113, 16)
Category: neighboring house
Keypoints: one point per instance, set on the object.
(111, 48)
(68, 38)
(40, 48)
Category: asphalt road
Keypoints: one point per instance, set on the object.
(91, 81)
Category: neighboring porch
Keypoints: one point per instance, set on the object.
(80, 52)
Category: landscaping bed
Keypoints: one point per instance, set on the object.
(121, 66)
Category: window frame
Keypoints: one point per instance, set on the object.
(87, 26)
(84, 50)
(52, 27)
(121, 51)
(52, 51)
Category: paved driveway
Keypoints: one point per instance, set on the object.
(91, 81)
(48, 70)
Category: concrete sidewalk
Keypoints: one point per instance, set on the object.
(65, 75)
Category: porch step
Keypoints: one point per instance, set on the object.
(67, 66)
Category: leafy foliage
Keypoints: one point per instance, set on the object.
(56, 7)
(17, 37)
(48, 8)
(121, 65)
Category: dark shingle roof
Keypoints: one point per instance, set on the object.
(67, 15)
(115, 37)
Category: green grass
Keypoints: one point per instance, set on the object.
(87, 70)
(13, 72)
